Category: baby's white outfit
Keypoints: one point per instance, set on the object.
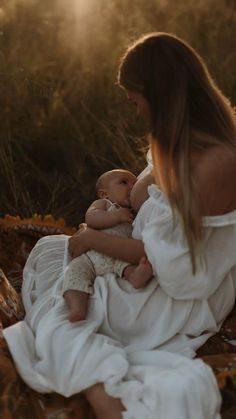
(82, 271)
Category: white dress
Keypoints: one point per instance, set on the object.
(139, 343)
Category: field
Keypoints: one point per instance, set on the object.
(63, 120)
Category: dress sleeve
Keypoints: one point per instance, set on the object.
(168, 252)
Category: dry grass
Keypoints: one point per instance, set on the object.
(63, 121)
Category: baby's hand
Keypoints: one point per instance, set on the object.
(125, 215)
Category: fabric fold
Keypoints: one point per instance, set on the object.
(139, 343)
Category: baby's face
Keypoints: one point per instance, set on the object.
(119, 187)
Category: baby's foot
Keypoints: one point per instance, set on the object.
(78, 313)
(142, 273)
(78, 305)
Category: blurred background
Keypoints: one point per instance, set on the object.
(63, 120)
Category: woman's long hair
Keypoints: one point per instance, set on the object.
(188, 114)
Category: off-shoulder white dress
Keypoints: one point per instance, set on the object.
(139, 343)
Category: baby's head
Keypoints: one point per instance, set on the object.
(116, 186)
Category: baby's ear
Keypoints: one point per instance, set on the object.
(102, 193)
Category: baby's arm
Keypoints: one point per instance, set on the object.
(98, 217)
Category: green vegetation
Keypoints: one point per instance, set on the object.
(63, 120)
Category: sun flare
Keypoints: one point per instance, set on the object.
(81, 8)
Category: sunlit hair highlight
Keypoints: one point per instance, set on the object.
(188, 113)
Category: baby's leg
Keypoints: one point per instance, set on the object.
(105, 406)
(77, 302)
(139, 275)
(77, 285)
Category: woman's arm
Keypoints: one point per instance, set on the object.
(123, 248)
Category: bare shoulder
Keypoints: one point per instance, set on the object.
(215, 179)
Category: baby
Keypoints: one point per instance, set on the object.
(112, 211)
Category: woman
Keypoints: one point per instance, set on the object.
(128, 359)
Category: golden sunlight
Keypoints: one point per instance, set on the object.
(81, 8)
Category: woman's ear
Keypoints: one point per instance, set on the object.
(102, 193)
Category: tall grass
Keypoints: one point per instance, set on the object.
(63, 121)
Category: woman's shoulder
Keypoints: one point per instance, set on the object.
(214, 172)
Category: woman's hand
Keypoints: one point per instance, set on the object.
(77, 243)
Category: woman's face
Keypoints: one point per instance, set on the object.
(141, 103)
